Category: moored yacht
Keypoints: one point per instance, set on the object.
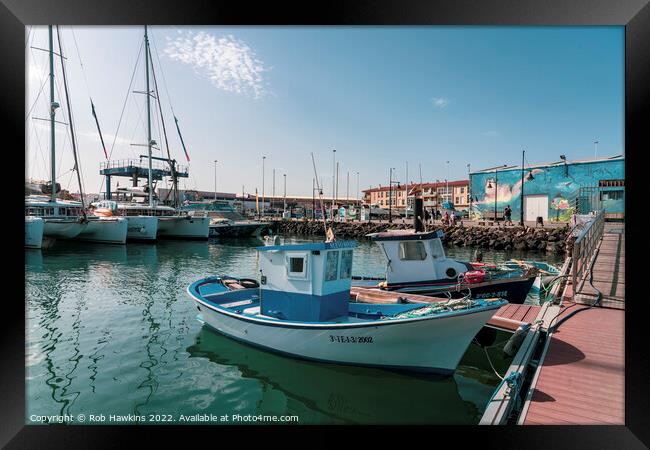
(62, 219)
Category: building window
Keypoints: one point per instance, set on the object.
(412, 251)
(611, 195)
(462, 189)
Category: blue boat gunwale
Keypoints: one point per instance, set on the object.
(193, 292)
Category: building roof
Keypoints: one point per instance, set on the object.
(551, 164)
(416, 186)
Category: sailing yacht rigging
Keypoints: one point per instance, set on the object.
(61, 219)
(148, 221)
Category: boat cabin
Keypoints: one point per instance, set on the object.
(306, 282)
(41, 206)
(416, 257)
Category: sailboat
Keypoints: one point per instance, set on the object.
(169, 222)
(61, 219)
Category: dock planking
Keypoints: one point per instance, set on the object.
(581, 378)
(608, 271)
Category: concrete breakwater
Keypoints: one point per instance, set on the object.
(550, 240)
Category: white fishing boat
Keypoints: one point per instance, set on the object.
(416, 264)
(33, 232)
(301, 308)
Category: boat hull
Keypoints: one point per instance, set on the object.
(107, 230)
(34, 232)
(63, 228)
(142, 228)
(515, 290)
(183, 227)
(235, 230)
(433, 344)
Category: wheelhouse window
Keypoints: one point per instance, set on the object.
(436, 249)
(296, 264)
(412, 251)
(346, 264)
(331, 265)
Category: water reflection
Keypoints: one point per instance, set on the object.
(342, 394)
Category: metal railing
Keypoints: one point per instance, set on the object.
(585, 247)
(140, 163)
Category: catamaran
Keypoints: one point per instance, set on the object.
(149, 220)
(33, 232)
(301, 307)
(416, 263)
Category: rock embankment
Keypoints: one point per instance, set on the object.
(550, 240)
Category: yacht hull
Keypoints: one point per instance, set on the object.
(434, 345)
(142, 228)
(108, 230)
(183, 227)
(34, 232)
(236, 229)
(63, 228)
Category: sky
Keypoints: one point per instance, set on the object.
(382, 97)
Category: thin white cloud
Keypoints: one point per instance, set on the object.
(491, 133)
(229, 63)
(440, 102)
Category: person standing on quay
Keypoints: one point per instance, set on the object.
(507, 213)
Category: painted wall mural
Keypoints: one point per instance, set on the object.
(561, 184)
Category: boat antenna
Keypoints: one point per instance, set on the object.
(72, 135)
(320, 193)
(424, 222)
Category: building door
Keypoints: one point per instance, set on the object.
(535, 206)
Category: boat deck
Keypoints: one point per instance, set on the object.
(582, 376)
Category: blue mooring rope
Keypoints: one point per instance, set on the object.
(513, 380)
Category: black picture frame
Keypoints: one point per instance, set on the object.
(633, 14)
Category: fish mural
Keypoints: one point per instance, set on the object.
(560, 183)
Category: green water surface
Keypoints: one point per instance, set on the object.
(111, 332)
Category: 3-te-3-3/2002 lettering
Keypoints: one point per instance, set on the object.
(351, 339)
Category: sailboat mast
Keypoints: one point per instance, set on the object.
(146, 65)
(52, 114)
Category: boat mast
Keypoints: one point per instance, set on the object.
(53, 106)
(146, 65)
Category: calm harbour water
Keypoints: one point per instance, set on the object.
(110, 330)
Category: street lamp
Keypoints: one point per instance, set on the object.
(390, 194)
(284, 207)
(469, 191)
(263, 159)
(595, 148)
(447, 183)
(215, 180)
(496, 183)
(333, 181)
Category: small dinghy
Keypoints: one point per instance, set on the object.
(301, 308)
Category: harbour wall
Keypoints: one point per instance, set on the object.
(549, 240)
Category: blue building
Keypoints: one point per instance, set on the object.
(553, 191)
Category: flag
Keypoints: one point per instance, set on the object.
(92, 105)
(182, 142)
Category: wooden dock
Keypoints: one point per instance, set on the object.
(581, 375)
(581, 379)
(608, 271)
